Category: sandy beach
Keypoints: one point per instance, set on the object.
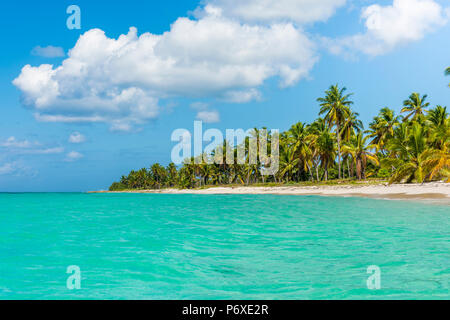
(430, 191)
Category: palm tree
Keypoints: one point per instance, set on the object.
(382, 128)
(336, 107)
(409, 155)
(172, 175)
(417, 149)
(415, 106)
(288, 162)
(438, 162)
(360, 153)
(439, 123)
(324, 146)
(299, 139)
(351, 126)
(159, 175)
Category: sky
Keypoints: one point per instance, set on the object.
(81, 107)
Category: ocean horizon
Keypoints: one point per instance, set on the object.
(158, 246)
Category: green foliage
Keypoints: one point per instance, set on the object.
(117, 186)
(414, 148)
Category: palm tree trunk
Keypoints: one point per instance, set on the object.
(310, 172)
(338, 136)
(359, 169)
(348, 167)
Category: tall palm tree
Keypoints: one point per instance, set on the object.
(324, 145)
(351, 126)
(361, 153)
(415, 106)
(299, 139)
(336, 107)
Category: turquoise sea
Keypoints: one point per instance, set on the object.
(142, 246)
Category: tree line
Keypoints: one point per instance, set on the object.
(413, 146)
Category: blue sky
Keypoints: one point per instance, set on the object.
(279, 61)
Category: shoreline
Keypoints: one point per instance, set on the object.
(430, 191)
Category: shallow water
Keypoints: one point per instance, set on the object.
(156, 246)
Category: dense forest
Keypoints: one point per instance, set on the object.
(413, 146)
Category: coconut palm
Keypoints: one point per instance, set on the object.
(159, 175)
(382, 128)
(336, 107)
(351, 126)
(299, 139)
(417, 149)
(410, 155)
(439, 123)
(288, 162)
(324, 143)
(172, 175)
(438, 162)
(360, 153)
(415, 106)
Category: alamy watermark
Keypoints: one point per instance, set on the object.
(74, 20)
(74, 280)
(240, 147)
(374, 280)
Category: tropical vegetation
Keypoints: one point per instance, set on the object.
(410, 147)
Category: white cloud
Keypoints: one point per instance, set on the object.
(16, 169)
(73, 156)
(77, 137)
(7, 168)
(26, 147)
(388, 27)
(48, 52)
(268, 11)
(120, 81)
(208, 116)
(199, 105)
(12, 142)
(44, 151)
(241, 96)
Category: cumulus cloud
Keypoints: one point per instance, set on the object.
(208, 116)
(268, 11)
(388, 27)
(48, 52)
(73, 156)
(77, 137)
(121, 81)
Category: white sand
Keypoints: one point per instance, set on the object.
(431, 191)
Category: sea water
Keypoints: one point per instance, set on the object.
(156, 246)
